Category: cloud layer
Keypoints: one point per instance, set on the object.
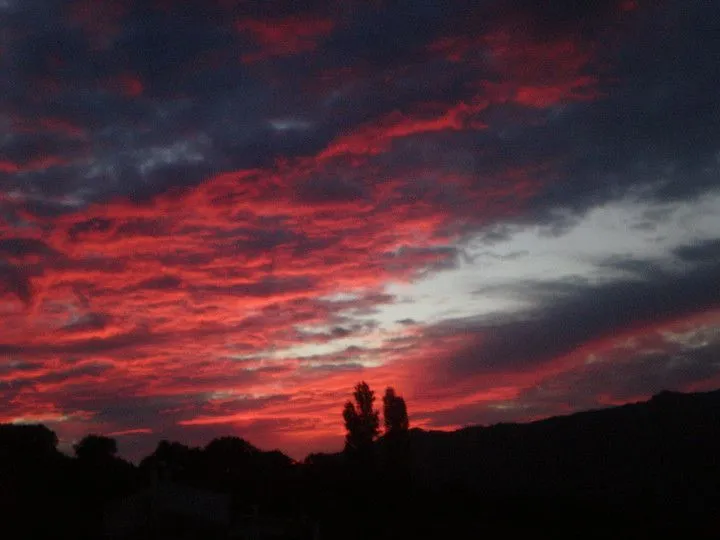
(218, 216)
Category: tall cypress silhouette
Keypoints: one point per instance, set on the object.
(362, 421)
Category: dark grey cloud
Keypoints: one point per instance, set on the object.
(702, 252)
(657, 120)
(160, 283)
(332, 190)
(25, 149)
(20, 248)
(572, 314)
(15, 282)
(138, 227)
(114, 343)
(136, 338)
(92, 370)
(404, 27)
(77, 230)
(160, 100)
(182, 95)
(627, 380)
(71, 371)
(267, 287)
(426, 260)
(265, 235)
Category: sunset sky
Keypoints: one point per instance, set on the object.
(217, 216)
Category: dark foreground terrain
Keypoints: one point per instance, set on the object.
(645, 470)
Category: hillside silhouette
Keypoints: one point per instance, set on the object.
(637, 471)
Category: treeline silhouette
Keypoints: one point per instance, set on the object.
(643, 470)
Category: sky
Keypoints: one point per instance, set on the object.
(217, 216)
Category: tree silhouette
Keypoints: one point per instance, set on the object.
(26, 442)
(394, 413)
(230, 465)
(230, 452)
(396, 443)
(641, 468)
(95, 448)
(173, 461)
(362, 421)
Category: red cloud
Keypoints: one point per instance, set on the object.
(9, 167)
(218, 305)
(285, 36)
(534, 73)
(128, 85)
(50, 124)
(138, 431)
(511, 67)
(188, 295)
(377, 137)
(36, 164)
(629, 5)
